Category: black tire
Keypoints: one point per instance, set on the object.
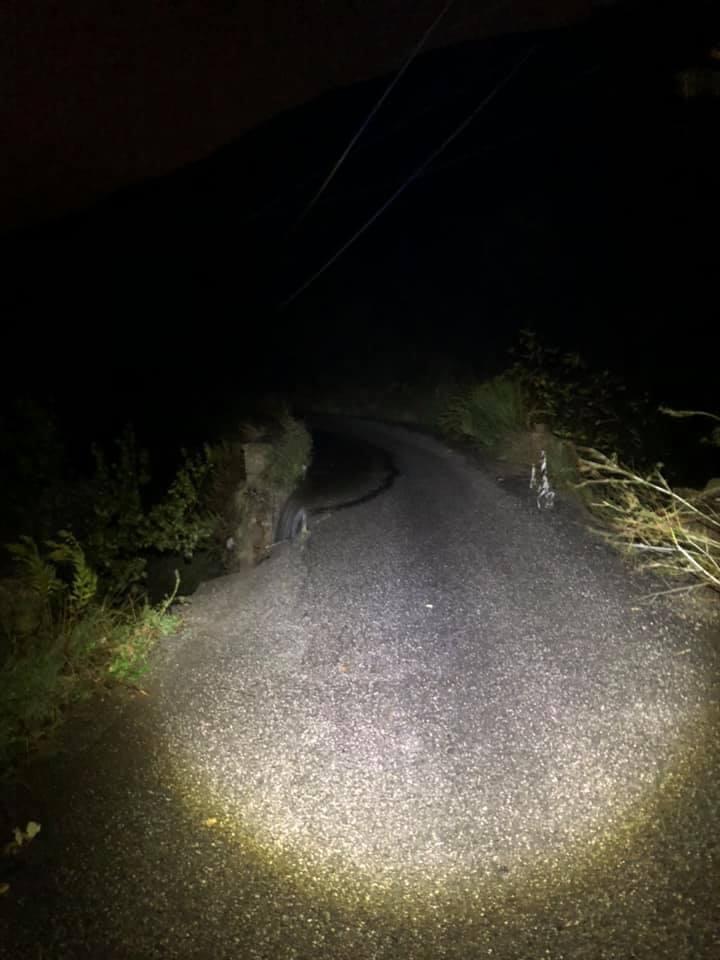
(292, 522)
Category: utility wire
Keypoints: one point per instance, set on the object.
(416, 174)
(356, 136)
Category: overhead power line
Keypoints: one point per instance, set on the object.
(388, 90)
(416, 174)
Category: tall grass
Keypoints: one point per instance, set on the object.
(486, 413)
(673, 532)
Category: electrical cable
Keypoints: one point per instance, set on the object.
(416, 174)
(386, 93)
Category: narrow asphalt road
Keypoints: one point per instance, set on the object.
(441, 726)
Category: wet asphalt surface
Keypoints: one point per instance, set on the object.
(440, 726)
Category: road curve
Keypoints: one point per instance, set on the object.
(440, 726)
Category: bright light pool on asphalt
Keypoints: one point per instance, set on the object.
(391, 794)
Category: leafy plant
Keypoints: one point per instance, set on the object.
(586, 406)
(37, 572)
(133, 638)
(74, 615)
(80, 642)
(290, 454)
(114, 532)
(121, 528)
(182, 521)
(84, 582)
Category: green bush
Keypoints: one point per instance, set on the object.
(291, 453)
(486, 412)
(78, 641)
(120, 528)
(588, 407)
(113, 527)
(182, 521)
(73, 615)
(549, 402)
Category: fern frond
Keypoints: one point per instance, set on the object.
(40, 575)
(84, 579)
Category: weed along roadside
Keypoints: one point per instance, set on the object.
(82, 606)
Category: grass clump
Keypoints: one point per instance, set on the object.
(486, 413)
(62, 640)
(675, 533)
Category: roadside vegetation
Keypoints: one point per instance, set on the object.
(75, 612)
(675, 532)
(78, 607)
(549, 417)
(601, 442)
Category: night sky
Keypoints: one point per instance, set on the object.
(160, 156)
(98, 93)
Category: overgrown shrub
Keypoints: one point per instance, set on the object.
(120, 528)
(74, 614)
(487, 412)
(585, 406)
(290, 454)
(78, 641)
(182, 520)
(546, 404)
(113, 526)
